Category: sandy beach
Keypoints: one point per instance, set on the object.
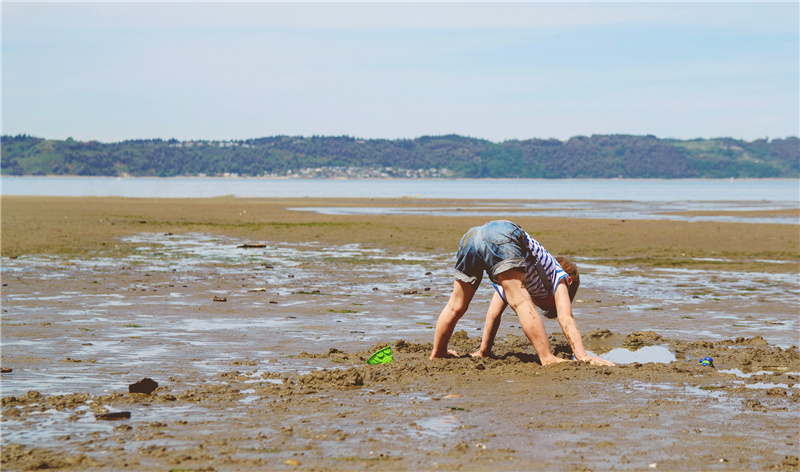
(256, 322)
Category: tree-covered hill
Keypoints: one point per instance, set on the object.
(598, 156)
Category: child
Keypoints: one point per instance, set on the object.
(524, 274)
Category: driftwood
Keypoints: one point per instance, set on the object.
(252, 246)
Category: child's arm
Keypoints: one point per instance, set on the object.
(570, 328)
(496, 308)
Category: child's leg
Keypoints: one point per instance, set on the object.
(452, 312)
(517, 296)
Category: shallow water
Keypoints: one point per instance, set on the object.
(58, 426)
(672, 190)
(620, 210)
(136, 316)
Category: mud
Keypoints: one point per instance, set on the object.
(502, 413)
(276, 379)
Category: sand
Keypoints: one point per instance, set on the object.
(99, 293)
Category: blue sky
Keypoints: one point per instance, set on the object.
(113, 71)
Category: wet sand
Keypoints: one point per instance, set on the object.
(100, 293)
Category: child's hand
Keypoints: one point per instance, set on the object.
(552, 360)
(594, 360)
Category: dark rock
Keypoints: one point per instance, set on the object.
(146, 385)
(118, 415)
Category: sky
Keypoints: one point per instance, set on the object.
(196, 70)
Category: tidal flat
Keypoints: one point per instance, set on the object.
(260, 352)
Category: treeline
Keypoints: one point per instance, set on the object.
(598, 156)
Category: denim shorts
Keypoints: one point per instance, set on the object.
(495, 247)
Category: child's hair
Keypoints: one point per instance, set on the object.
(571, 270)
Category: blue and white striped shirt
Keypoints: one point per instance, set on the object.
(532, 281)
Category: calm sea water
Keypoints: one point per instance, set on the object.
(785, 192)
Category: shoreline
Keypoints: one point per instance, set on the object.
(497, 179)
(91, 225)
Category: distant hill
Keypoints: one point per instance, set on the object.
(598, 156)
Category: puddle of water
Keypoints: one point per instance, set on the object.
(765, 386)
(414, 397)
(747, 375)
(718, 399)
(439, 426)
(48, 426)
(644, 355)
(234, 324)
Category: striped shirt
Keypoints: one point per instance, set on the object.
(551, 268)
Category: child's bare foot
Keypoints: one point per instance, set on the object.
(450, 354)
